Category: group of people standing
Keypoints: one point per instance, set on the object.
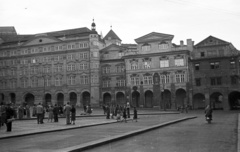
(121, 113)
(54, 112)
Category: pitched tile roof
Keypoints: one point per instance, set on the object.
(111, 34)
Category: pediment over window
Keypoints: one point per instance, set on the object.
(179, 57)
(134, 75)
(106, 65)
(133, 60)
(180, 71)
(120, 78)
(163, 42)
(163, 58)
(106, 78)
(165, 73)
(120, 64)
(147, 74)
(146, 59)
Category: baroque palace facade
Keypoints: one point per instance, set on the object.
(81, 67)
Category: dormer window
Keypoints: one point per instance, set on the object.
(146, 47)
(163, 45)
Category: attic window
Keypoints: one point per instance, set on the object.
(40, 40)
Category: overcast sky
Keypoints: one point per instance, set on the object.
(130, 19)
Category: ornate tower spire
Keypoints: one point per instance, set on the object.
(93, 26)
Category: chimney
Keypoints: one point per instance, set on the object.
(181, 43)
(190, 44)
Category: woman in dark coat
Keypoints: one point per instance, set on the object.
(135, 114)
(73, 115)
(55, 113)
(9, 117)
(125, 114)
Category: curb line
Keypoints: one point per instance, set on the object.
(76, 127)
(99, 142)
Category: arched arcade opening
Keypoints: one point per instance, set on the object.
(48, 99)
(135, 98)
(60, 99)
(29, 99)
(181, 98)
(199, 101)
(12, 97)
(120, 98)
(107, 98)
(216, 100)
(234, 100)
(166, 99)
(85, 98)
(73, 98)
(148, 99)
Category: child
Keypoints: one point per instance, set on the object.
(134, 114)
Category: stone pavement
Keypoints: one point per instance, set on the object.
(29, 126)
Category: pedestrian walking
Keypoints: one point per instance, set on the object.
(124, 114)
(67, 111)
(20, 112)
(40, 113)
(73, 115)
(104, 109)
(9, 117)
(118, 117)
(3, 107)
(60, 110)
(208, 113)
(34, 110)
(108, 112)
(50, 113)
(128, 109)
(55, 113)
(28, 111)
(135, 114)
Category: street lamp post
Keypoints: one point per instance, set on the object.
(43, 77)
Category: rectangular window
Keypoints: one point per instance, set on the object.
(106, 84)
(146, 48)
(148, 80)
(120, 83)
(120, 69)
(135, 80)
(179, 78)
(164, 63)
(85, 55)
(94, 79)
(234, 80)
(232, 64)
(165, 78)
(106, 69)
(84, 79)
(58, 81)
(147, 65)
(202, 54)
(134, 66)
(214, 65)
(71, 67)
(216, 81)
(71, 80)
(179, 62)
(198, 81)
(197, 67)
